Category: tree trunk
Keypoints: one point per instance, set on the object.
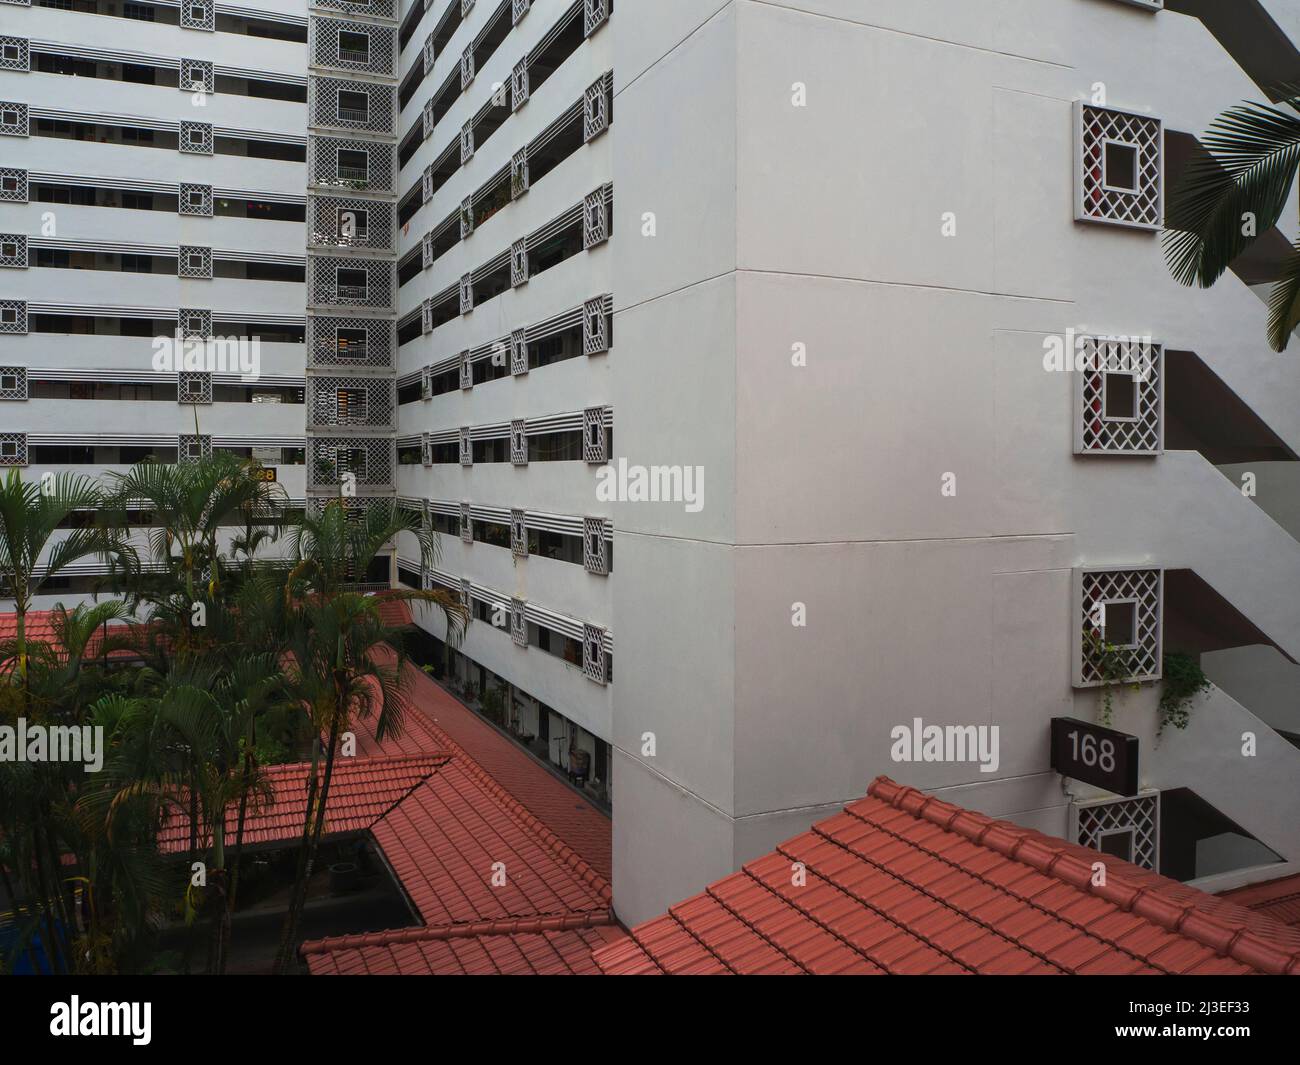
(238, 858)
(299, 881)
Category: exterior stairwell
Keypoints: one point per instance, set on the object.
(1260, 793)
(1186, 506)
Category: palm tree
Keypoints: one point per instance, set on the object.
(30, 515)
(1233, 191)
(342, 669)
(189, 503)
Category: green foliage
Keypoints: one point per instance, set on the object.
(1183, 680)
(1234, 190)
(1112, 664)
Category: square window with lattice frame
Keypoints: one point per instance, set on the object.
(13, 383)
(1119, 397)
(196, 138)
(13, 185)
(1125, 828)
(195, 200)
(593, 653)
(13, 119)
(13, 251)
(1119, 167)
(13, 449)
(194, 387)
(13, 316)
(15, 54)
(1118, 629)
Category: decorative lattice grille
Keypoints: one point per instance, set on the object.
(466, 67)
(426, 450)
(13, 250)
(518, 535)
(13, 185)
(198, 15)
(195, 138)
(466, 217)
(426, 383)
(197, 75)
(595, 219)
(430, 55)
(336, 281)
(1119, 397)
(194, 387)
(518, 622)
(15, 54)
(195, 261)
(466, 6)
(385, 9)
(467, 142)
(519, 85)
(13, 449)
(595, 14)
(518, 263)
(1137, 817)
(466, 371)
(351, 223)
(1120, 609)
(593, 653)
(519, 442)
(362, 46)
(466, 294)
(13, 119)
(467, 597)
(364, 105)
(369, 461)
(428, 120)
(518, 9)
(466, 524)
(351, 341)
(191, 448)
(368, 402)
(466, 447)
(426, 316)
(426, 251)
(595, 327)
(194, 322)
(13, 382)
(13, 316)
(595, 441)
(194, 200)
(595, 559)
(1120, 171)
(595, 111)
(352, 164)
(519, 173)
(519, 352)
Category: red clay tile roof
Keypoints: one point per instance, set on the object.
(40, 628)
(394, 613)
(1278, 899)
(438, 718)
(901, 882)
(362, 791)
(421, 952)
(443, 841)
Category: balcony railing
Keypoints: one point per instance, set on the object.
(352, 55)
(354, 114)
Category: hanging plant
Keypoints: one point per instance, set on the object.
(1183, 680)
(1112, 666)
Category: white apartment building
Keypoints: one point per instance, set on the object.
(151, 185)
(819, 317)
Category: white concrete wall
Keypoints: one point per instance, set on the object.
(821, 226)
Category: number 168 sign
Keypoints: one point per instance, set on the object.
(1095, 755)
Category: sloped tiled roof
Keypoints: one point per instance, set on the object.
(421, 952)
(362, 790)
(1278, 899)
(458, 828)
(902, 882)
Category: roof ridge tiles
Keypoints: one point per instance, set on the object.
(1221, 926)
(537, 925)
